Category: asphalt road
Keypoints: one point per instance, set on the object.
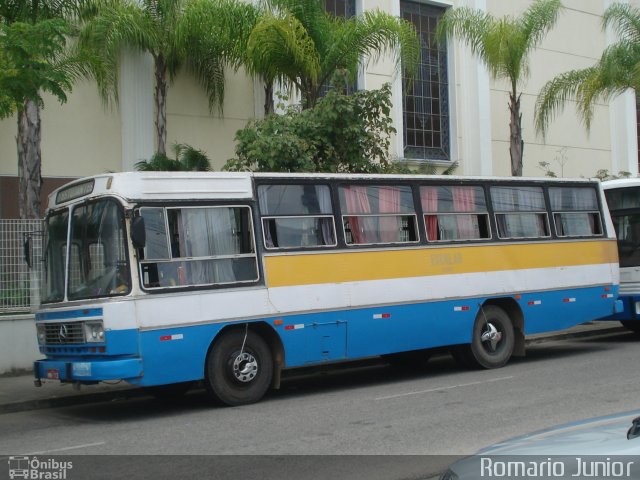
(372, 410)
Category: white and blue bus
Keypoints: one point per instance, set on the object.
(164, 279)
(623, 198)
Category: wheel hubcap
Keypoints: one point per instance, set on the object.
(245, 367)
(491, 337)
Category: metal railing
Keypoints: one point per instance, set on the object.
(19, 284)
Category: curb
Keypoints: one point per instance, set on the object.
(72, 400)
(543, 338)
(135, 392)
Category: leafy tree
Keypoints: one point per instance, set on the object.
(201, 36)
(342, 133)
(35, 57)
(187, 158)
(299, 44)
(617, 70)
(503, 45)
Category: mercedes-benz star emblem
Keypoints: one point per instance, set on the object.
(62, 334)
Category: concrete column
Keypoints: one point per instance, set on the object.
(136, 108)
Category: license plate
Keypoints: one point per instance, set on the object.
(82, 369)
(53, 374)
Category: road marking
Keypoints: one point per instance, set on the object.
(67, 448)
(439, 389)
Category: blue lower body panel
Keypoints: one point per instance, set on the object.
(179, 353)
(89, 370)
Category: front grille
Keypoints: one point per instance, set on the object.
(64, 333)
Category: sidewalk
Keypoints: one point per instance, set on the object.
(18, 393)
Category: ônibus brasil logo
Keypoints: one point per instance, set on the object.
(34, 469)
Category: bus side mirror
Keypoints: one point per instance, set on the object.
(138, 232)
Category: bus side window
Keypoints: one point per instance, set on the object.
(575, 211)
(454, 213)
(193, 246)
(375, 214)
(520, 211)
(296, 216)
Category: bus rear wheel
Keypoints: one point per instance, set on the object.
(492, 342)
(239, 368)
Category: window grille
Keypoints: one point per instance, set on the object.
(426, 97)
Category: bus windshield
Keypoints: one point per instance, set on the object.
(625, 213)
(627, 226)
(97, 253)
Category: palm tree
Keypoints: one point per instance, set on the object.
(299, 44)
(617, 70)
(201, 36)
(36, 58)
(187, 159)
(503, 45)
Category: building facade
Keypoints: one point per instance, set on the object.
(453, 112)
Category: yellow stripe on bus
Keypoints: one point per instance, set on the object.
(338, 267)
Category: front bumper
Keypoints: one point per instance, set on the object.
(88, 371)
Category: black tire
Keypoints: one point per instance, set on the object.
(485, 352)
(235, 375)
(170, 392)
(633, 325)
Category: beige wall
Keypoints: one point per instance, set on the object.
(190, 121)
(78, 138)
(576, 42)
(81, 138)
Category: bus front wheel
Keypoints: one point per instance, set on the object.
(239, 368)
(492, 342)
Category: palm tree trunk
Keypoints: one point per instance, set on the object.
(310, 94)
(268, 98)
(160, 97)
(516, 144)
(29, 160)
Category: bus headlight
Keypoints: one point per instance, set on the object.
(42, 334)
(94, 332)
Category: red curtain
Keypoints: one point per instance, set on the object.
(464, 201)
(429, 199)
(357, 202)
(390, 203)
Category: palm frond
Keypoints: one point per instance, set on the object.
(191, 158)
(187, 158)
(554, 95)
(105, 35)
(468, 25)
(212, 35)
(370, 35)
(617, 70)
(281, 46)
(625, 21)
(538, 19)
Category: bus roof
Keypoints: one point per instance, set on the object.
(621, 182)
(137, 186)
